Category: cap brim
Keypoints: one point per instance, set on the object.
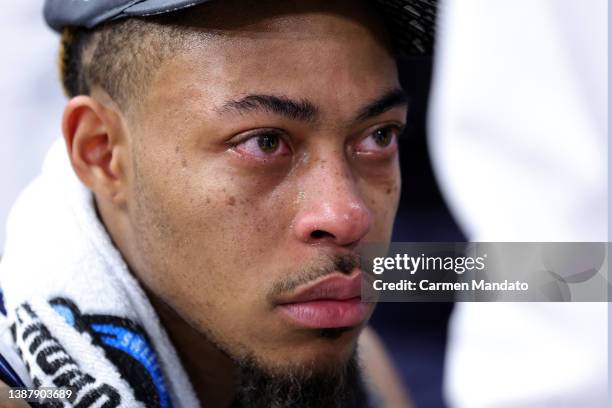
(153, 7)
(411, 23)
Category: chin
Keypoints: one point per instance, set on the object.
(300, 385)
(302, 368)
(324, 351)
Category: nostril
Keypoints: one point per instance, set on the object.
(318, 234)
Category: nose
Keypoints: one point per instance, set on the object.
(332, 210)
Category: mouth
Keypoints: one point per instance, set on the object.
(334, 301)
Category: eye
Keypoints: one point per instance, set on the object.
(383, 137)
(381, 141)
(268, 143)
(264, 144)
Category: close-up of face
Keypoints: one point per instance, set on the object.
(259, 162)
(304, 203)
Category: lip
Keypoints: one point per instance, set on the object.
(333, 301)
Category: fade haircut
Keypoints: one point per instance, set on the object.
(121, 56)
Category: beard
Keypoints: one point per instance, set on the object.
(300, 387)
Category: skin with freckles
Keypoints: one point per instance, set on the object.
(260, 153)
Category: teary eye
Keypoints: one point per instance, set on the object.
(268, 142)
(264, 144)
(383, 137)
(381, 141)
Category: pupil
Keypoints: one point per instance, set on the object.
(382, 137)
(268, 143)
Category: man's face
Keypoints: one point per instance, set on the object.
(264, 158)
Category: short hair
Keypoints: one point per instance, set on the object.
(118, 56)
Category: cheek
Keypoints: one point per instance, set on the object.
(213, 248)
(209, 231)
(383, 197)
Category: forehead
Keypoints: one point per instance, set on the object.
(330, 58)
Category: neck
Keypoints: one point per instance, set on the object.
(212, 373)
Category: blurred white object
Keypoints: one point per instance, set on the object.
(31, 101)
(518, 126)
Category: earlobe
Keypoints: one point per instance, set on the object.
(92, 133)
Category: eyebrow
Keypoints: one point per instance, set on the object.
(306, 111)
(390, 100)
(302, 110)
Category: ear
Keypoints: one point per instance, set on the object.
(95, 139)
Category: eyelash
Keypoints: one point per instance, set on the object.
(391, 147)
(254, 136)
(241, 146)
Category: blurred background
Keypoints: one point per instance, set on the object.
(32, 101)
(507, 141)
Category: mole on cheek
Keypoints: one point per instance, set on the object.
(231, 200)
(392, 189)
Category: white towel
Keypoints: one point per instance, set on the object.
(78, 317)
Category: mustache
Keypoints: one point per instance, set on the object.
(324, 266)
